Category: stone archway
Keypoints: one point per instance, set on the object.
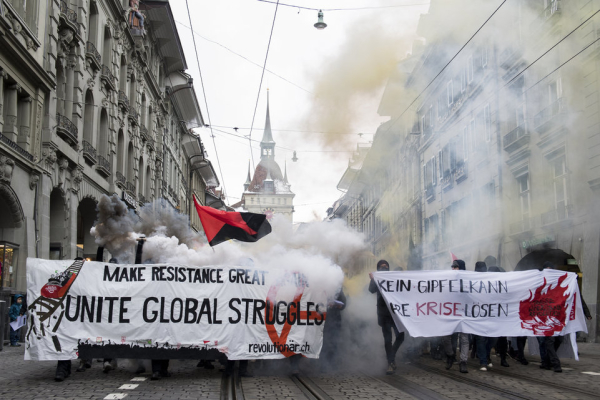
(86, 217)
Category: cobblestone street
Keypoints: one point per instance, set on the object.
(423, 378)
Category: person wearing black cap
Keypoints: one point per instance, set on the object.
(385, 321)
(449, 342)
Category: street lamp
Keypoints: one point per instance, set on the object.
(320, 25)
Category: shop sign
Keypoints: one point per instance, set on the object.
(128, 199)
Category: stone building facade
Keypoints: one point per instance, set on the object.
(91, 105)
(507, 146)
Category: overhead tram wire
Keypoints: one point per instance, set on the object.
(245, 58)
(345, 9)
(205, 101)
(285, 148)
(299, 131)
(262, 75)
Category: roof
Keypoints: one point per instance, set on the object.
(160, 15)
(267, 134)
(264, 168)
(183, 96)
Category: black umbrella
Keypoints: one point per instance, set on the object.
(536, 258)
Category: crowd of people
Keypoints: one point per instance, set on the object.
(479, 347)
(455, 348)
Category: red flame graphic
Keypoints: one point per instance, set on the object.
(545, 314)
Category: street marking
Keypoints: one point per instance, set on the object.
(129, 386)
(591, 373)
(567, 369)
(139, 379)
(115, 396)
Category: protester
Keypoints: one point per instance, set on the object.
(385, 321)
(333, 327)
(501, 342)
(447, 341)
(483, 344)
(14, 313)
(135, 7)
(549, 344)
(63, 367)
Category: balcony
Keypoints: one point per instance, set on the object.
(69, 16)
(561, 213)
(550, 116)
(550, 13)
(430, 193)
(66, 130)
(16, 147)
(447, 181)
(164, 186)
(521, 226)
(171, 192)
(120, 180)
(89, 152)
(141, 199)
(123, 101)
(460, 174)
(144, 133)
(107, 78)
(130, 187)
(133, 116)
(516, 138)
(93, 56)
(103, 166)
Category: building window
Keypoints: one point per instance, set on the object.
(559, 171)
(487, 121)
(470, 69)
(484, 56)
(524, 196)
(554, 91)
(449, 93)
(28, 10)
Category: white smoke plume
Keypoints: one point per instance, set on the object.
(316, 249)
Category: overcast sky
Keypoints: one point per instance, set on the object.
(336, 77)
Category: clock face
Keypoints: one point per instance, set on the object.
(268, 212)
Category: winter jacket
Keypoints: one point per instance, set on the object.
(382, 309)
(15, 309)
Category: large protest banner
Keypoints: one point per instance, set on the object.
(528, 303)
(244, 313)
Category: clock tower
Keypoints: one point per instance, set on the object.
(268, 191)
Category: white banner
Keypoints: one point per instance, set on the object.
(493, 304)
(245, 313)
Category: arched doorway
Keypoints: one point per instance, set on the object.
(86, 216)
(58, 226)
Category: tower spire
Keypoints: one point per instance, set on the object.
(248, 179)
(285, 179)
(267, 144)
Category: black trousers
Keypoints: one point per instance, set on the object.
(160, 365)
(552, 344)
(63, 366)
(521, 341)
(502, 346)
(387, 325)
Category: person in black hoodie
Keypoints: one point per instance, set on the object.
(386, 322)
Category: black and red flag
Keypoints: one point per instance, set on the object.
(220, 226)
